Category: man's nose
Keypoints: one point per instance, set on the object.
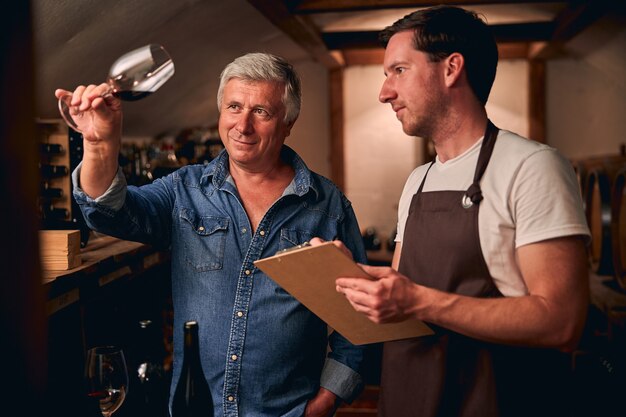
(387, 93)
(244, 123)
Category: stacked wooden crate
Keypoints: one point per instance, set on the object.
(59, 249)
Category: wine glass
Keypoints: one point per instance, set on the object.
(106, 377)
(133, 76)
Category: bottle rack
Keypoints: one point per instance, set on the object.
(60, 151)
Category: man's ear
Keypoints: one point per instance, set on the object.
(288, 129)
(454, 66)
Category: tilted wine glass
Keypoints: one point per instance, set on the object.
(132, 76)
(106, 377)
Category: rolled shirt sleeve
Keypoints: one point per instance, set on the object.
(341, 380)
(112, 199)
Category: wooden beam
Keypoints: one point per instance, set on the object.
(364, 56)
(299, 28)
(323, 6)
(569, 23)
(339, 57)
(518, 32)
(351, 39)
(523, 32)
(537, 100)
(576, 18)
(510, 50)
(337, 163)
(513, 50)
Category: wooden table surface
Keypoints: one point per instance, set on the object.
(99, 249)
(104, 260)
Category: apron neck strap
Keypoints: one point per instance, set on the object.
(474, 192)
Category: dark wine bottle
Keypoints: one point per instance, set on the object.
(49, 211)
(50, 148)
(47, 191)
(192, 397)
(148, 394)
(50, 171)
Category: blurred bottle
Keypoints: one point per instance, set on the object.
(192, 397)
(165, 162)
(52, 212)
(141, 166)
(391, 242)
(47, 191)
(52, 171)
(371, 241)
(185, 146)
(148, 392)
(51, 148)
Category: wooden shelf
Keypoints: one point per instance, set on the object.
(105, 260)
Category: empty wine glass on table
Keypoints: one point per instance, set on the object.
(106, 377)
(133, 76)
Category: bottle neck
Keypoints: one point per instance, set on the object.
(146, 342)
(192, 346)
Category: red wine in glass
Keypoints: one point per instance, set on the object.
(106, 377)
(133, 76)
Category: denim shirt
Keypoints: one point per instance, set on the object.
(263, 353)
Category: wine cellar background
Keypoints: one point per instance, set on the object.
(579, 108)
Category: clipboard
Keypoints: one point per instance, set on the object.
(308, 273)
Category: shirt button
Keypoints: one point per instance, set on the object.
(244, 230)
(201, 229)
(239, 314)
(231, 398)
(247, 272)
(262, 232)
(234, 357)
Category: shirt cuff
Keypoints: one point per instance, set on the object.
(341, 380)
(114, 196)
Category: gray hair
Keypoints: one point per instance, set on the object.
(265, 67)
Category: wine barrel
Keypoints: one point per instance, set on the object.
(598, 212)
(580, 169)
(607, 163)
(618, 228)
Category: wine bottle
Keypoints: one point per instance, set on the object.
(192, 397)
(49, 211)
(47, 191)
(50, 148)
(149, 398)
(50, 171)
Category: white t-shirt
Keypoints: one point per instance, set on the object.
(530, 194)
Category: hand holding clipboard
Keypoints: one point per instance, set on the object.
(308, 273)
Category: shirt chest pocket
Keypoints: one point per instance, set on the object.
(293, 237)
(204, 240)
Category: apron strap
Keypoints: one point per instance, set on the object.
(474, 193)
(419, 190)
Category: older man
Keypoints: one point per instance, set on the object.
(263, 353)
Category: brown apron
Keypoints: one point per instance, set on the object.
(447, 374)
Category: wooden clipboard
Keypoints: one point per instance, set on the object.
(309, 274)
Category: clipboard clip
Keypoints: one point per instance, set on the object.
(300, 246)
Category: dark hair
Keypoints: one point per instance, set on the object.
(442, 30)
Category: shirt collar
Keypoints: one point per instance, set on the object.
(217, 172)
